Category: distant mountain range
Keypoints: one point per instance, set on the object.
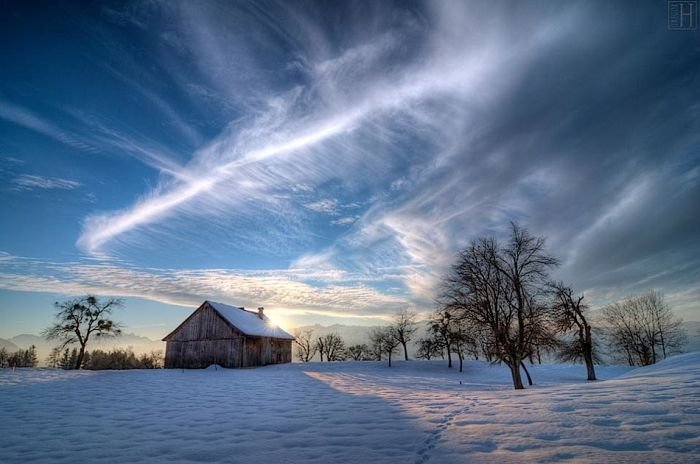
(8, 345)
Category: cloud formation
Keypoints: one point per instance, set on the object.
(31, 182)
(372, 140)
(288, 291)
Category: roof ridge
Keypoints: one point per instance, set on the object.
(252, 324)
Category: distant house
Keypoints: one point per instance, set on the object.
(228, 336)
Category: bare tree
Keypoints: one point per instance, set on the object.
(376, 348)
(305, 347)
(430, 347)
(571, 314)
(331, 346)
(404, 327)
(358, 352)
(499, 288)
(79, 319)
(440, 329)
(643, 329)
(386, 341)
(463, 340)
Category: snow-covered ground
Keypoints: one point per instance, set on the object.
(354, 412)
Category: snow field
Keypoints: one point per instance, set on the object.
(353, 412)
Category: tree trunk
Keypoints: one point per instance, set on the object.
(460, 360)
(529, 379)
(79, 361)
(389, 358)
(515, 374)
(589, 366)
(405, 350)
(588, 354)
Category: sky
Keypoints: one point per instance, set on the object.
(326, 160)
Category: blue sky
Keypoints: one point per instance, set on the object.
(326, 160)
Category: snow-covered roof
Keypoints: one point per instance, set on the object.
(248, 322)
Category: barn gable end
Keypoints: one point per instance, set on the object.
(203, 324)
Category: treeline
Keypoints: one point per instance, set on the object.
(639, 330)
(20, 358)
(383, 343)
(499, 303)
(116, 359)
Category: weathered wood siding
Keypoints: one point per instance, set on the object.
(205, 324)
(205, 338)
(198, 354)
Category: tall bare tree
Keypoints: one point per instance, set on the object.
(404, 326)
(643, 329)
(305, 347)
(571, 314)
(500, 288)
(77, 320)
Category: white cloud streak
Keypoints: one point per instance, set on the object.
(335, 292)
(26, 182)
(223, 160)
(326, 206)
(462, 96)
(27, 119)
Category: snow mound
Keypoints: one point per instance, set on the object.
(687, 364)
(337, 413)
(214, 367)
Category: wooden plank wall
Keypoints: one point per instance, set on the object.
(239, 352)
(198, 354)
(205, 325)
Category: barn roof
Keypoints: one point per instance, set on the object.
(248, 322)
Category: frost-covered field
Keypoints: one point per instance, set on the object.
(353, 413)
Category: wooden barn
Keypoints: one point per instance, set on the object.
(229, 336)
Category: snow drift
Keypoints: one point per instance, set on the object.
(352, 412)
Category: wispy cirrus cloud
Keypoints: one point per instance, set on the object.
(304, 125)
(377, 149)
(287, 290)
(345, 221)
(89, 135)
(32, 182)
(326, 206)
(29, 120)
